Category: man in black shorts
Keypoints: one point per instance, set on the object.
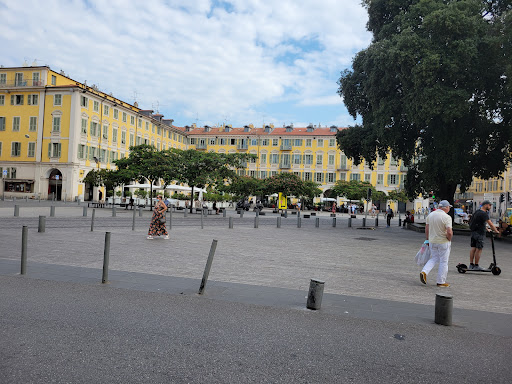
(478, 228)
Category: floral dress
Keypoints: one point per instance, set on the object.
(156, 228)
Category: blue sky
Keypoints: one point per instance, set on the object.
(198, 61)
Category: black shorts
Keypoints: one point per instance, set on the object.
(477, 240)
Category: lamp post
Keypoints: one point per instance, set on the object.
(97, 162)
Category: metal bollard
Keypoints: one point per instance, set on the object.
(52, 211)
(349, 222)
(140, 211)
(133, 221)
(377, 221)
(114, 213)
(208, 266)
(223, 213)
(256, 222)
(170, 219)
(316, 291)
(78, 201)
(241, 213)
(230, 223)
(92, 218)
(24, 235)
(444, 309)
(286, 214)
(84, 213)
(364, 221)
(16, 210)
(399, 220)
(202, 226)
(106, 256)
(334, 222)
(317, 222)
(279, 222)
(299, 222)
(42, 224)
(185, 212)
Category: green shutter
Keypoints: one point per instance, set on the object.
(59, 148)
(50, 150)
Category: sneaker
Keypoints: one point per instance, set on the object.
(471, 267)
(423, 277)
(477, 268)
(166, 237)
(444, 285)
(149, 237)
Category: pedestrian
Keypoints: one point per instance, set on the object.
(477, 225)
(333, 210)
(157, 225)
(389, 215)
(215, 208)
(439, 233)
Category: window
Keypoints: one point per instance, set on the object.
(273, 173)
(106, 110)
(105, 131)
(330, 159)
(114, 135)
(392, 161)
(254, 141)
(263, 158)
(308, 142)
(81, 151)
(54, 80)
(331, 177)
(343, 176)
(319, 177)
(57, 100)
(103, 155)
(367, 177)
(137, 140)
(139, 122)
(159, 131)
(2, 99)
(31, 150)
(116, 114)
(83, 130)
(15, 149)
(84, 102)
(147, 127)
(320, 142)
(32, 99)
(92, 153)
(264, 142)
(263, 174)
(193, 140)
(307, 176)
(131, 139)
(380, 179)
(296, 158)
(18, 80)
(0, 155)
(392, 180)
(32, 125)
(232, 141)
(319, 159)
(274, 158)
(275, 142)
(355, 176)
(56, 124)
(132, 120)
(35, 78)
(96, 106)
(332, 142)
(123, 137)
(3, 78)
(222, 141)
(93, 128)
(212, 141)
(16, 124)
(17, 99)
(308, 159)
(380, 161)
(297, 142)
(2, 123)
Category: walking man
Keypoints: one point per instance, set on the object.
(389, 215)
(439, 235)
(477, 225)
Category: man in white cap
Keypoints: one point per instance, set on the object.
(439, 235)
(478, 228)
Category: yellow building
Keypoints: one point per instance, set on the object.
(53, 130)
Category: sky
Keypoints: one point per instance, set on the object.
(208, 62)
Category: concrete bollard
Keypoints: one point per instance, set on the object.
(256, 222)
(299, 223)
(133, 221)
(223, 213)
(92, 218)
(334, 222)
(84, 212)
(52, 211)
(16, 210)
(208, 266)
(349, 222)
(230, 223)
(24, 237)
(364, 221)
(202, 224)
(185, 212)
(286, 214)
(377, 221)
(317, 222)
(443, 309)
(140, 211)
(106, 256)
(114, 213)
(78, 201)
(170, 219)
(399, 220)
(279, 222)
(241, 213)
(42, 224)
(257, 213)
(316, 291)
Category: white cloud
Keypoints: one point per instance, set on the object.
(193, 59)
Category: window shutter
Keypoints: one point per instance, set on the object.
(50, 150)
(12, 99)
(59, 148)
(334, 177)
(21, 99)
(389, 179)
(29, 99)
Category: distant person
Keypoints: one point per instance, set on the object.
(333, 210)
(477, 225)
(439, 233)
(157, 225)
(215, 208)
(389, 215)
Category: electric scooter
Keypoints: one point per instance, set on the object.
(493, 268)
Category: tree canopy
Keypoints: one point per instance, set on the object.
(434, 88)
(352, 190)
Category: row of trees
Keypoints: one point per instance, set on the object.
(355, 190)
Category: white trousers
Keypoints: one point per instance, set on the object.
(439, 254)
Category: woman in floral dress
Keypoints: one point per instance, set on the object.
(156, 227)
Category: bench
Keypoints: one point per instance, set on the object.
(95, 204)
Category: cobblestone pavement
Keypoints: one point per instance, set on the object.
(370, 263)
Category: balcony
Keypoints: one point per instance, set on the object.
(21, 83)
(342, 167)
(286, 147)
(201, 146)
(242, 147)
(285, 165)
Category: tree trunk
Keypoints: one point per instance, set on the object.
(191, 199)
(446, 192)
(151, 196)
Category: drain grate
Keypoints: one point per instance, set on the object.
(364, 238)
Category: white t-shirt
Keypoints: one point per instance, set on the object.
(437, 222)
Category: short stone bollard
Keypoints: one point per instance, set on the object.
(241, 213)
(84, 213)
(334, 222)
(42, 224)
(230, 223)
(444, 309)
(140, 211)
(106, 256)
(317, 222)
(377, 221)
(364, 221)
(52, 211)
(114, 213)
(349, 222)
(185, 212)
(256, 222)
(299, 223)
(316, 291)
(92, 219)
(223, 213)
(279, 222)
(16, 210)
(24, 237)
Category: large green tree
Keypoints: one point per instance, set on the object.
(434, 88)
(287, 183)
(352, 190)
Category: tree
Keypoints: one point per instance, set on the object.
(398, 195)
(111, 179)
(199, 169)
(434, 88)
(352, 190)
(244, 186)
(288, 184)
(93, 178)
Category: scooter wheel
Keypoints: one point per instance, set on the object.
(462, 268)
(496, 271)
